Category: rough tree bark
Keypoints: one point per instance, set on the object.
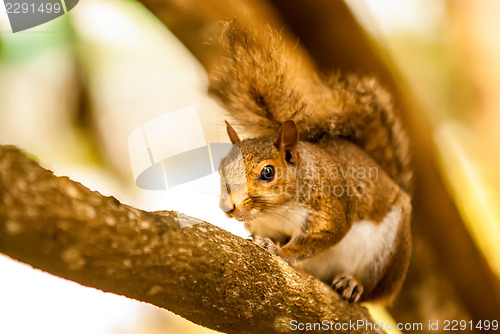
(203, 273)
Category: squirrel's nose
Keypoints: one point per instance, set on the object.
(226, 205)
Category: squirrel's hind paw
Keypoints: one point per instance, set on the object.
(348, 287)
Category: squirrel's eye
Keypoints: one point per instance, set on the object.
(267, 173)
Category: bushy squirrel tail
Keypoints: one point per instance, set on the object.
(262, 81)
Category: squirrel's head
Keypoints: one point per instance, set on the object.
(259, 174)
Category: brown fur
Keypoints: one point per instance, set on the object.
(263, 82)
(392, 279)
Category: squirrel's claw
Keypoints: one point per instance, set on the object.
(267, 244)
(348, 287)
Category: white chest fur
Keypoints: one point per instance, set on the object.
(279, 225)
(363, 252)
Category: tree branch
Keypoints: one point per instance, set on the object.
(200, 272)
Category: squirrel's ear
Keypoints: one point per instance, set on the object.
(233, 136)
(288, 139)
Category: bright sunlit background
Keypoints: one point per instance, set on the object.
(136, 70)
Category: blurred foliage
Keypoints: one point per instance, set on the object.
(22, 47)
(432, 70)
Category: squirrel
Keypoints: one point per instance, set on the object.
(323, 179)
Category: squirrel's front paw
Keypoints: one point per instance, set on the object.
(267, 244)
(348, 287)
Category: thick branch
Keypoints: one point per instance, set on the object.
(200, 272)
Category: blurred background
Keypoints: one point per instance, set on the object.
(73, 90)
